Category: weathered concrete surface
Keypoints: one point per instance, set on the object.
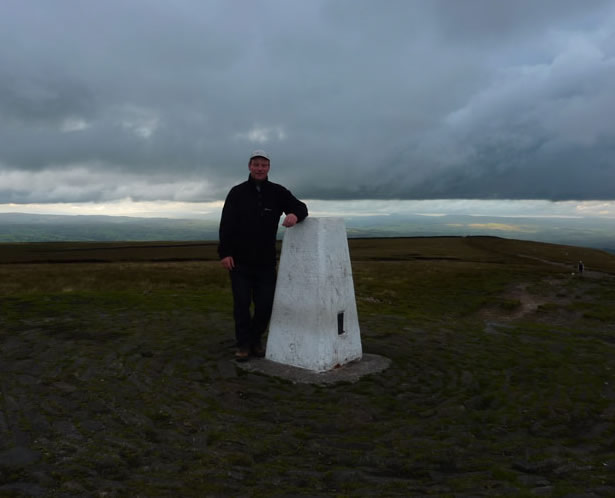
(315, 324)
(350, 372)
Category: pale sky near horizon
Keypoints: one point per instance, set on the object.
(148, 104)
(211, 211)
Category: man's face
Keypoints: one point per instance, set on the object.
(259, 168)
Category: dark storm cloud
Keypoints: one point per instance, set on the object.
(354, 99)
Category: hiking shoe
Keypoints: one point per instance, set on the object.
(242, 354)
(258, 350)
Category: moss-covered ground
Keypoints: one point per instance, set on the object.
(117, 378)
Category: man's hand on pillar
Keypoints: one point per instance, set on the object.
(290, 220)
(228, 263)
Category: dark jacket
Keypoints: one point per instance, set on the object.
(250, 220)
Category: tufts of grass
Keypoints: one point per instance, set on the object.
(141, 351)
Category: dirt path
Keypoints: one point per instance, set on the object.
(573, 267)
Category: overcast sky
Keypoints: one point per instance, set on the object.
(153, 100)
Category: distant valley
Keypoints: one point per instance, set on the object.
(586, 232)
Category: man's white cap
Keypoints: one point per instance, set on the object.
(259, 153)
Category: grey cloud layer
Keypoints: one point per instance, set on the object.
(354, 99)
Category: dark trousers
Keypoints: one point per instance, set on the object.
(252, 284)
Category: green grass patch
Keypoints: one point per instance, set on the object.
(135, 356)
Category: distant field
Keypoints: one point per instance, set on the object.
(478, 248)
(106, 252)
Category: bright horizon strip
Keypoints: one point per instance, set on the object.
(347, 208)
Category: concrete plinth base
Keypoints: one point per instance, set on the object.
(350, 372)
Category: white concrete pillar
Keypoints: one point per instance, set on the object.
(315, 324)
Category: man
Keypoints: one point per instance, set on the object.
(248, 229)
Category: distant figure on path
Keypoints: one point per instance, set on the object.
(581, 266)
(248, 230)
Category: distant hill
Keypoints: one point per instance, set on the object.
(598, 233)
(18, 227)
(594, 232)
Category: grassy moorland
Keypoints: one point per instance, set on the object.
(116, 376)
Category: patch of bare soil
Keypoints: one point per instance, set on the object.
(551, 297)
(520, 302)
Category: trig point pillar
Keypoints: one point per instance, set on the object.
(315, 324)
